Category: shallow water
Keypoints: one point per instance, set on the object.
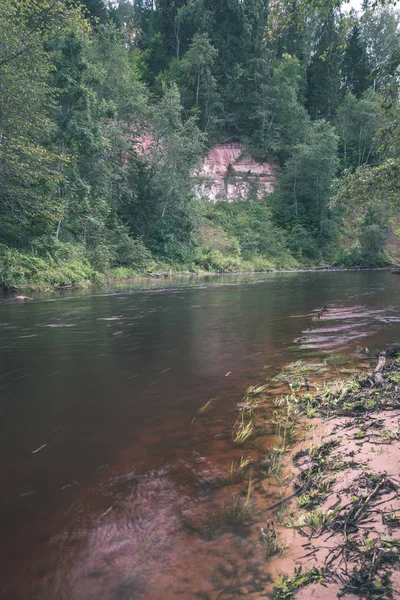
(103, 461)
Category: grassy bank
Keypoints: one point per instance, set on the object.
(73, 268)
(70, 265)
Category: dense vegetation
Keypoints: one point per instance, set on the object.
(106, 109)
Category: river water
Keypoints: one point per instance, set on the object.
(103, 458)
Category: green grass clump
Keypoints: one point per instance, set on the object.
(69, 267)
(271, 540)
(237, 469)
(237, 513)
(286, 587)
(300, 369)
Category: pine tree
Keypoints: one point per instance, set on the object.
(97, 9)
(355, 66)
(323, 74)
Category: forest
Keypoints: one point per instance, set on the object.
(107, 109)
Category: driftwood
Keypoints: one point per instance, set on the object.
(285, 499)
(166, 275)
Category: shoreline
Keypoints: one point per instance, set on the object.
(346, 484)
(320, 504)
(31, 287)
(333, 534)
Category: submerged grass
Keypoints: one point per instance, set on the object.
(358, 397)
(362, 558)
(271, 540)
(242, 432)
(207, 407)
(237, 469)
(239, 512)
(296, 372)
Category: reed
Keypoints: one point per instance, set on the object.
(242, 432)
(209, 405)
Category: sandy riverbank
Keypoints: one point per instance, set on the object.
(338, 536)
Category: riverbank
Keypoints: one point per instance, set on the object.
(33, 274)
(339, 528)
(344, 519)
(322, 504)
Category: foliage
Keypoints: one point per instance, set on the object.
(250, 224)
(27, 270)
(357, 121)
(279, 121)
(306, 186)
(107, 109)
(286, 587)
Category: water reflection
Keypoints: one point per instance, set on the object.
(103, 463)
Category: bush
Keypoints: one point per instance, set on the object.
(304, 244)
(132, 253)
(102, 257)
(373, 240)
(213, 260)
(28, 270)
(248, 228)
(349, 257)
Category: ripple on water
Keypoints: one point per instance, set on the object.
(130, 539)
(339, 326)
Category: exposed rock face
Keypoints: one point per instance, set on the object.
(229, 172)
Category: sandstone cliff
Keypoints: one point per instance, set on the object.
(229, 172)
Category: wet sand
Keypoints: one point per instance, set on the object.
(362, 464)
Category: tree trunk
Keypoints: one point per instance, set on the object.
(198, 87)
(57, 233)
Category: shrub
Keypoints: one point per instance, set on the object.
(132, 253)
(213, 260)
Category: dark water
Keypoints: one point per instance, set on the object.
(101, 454)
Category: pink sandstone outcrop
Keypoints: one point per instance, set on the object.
(229, 172)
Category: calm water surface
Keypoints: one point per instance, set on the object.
(102, 458)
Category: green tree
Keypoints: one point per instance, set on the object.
(194, 75)
(307, 183)
(381, 37)
(117, 83)
(355, 67)
(357, 122)
(28, 158)
(96, 9)
(82, 188)
(323, 73)
(373, 238)
(199, 61)
(278, 120)
(162, 211)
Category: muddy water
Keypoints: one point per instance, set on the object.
(104, 465)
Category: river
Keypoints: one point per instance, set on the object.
(103, 456)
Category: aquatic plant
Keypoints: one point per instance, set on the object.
(271, 540)
(242, 432)
(237, 469)
(238, 512)
(297, 371)
(272, 463)
(304, 501)
(209, 405)
(255, 390)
